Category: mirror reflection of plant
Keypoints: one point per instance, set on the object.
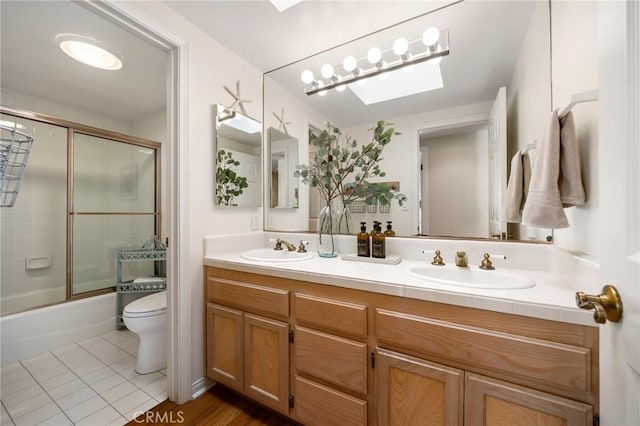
(339, 159)
(229, 184)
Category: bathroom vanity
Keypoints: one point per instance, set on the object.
(330, 350)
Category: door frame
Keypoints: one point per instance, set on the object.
(176, 193)
(472, 119)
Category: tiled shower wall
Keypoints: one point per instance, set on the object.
(36, 225)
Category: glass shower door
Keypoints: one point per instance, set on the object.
(115, 206)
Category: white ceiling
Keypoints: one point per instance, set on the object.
(32, 63)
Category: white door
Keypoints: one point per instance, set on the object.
(619, 53)
(497, 162)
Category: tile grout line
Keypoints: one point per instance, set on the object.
(47, 393)
(83, 381)
(7, 411)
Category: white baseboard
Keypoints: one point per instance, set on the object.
(200, 386)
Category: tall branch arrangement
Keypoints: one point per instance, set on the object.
(342, 169)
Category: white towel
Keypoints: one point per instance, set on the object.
(144, 280)
(570, 180)
(543, 206)
(517, 187)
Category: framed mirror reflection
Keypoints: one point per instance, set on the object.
(456, 137)
(238, 147)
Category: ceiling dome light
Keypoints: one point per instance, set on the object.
(374, 55)
(327, 71)
(307, 77)
(430, 36)
(91, 55)
(349, 64)
(400, 46)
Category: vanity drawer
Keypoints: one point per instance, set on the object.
(316, 404)
(248, 297)
(549, 362)
(339, 361)
(332, 315)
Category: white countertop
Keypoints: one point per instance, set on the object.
(550, 299)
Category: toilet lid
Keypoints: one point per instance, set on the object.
(148, 304)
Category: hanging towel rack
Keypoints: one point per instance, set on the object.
(14, 152)
(530, 147)
(577, 98)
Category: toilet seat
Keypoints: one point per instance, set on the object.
(148, 306)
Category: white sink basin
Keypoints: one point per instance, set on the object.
(271, 255)
(471, 277)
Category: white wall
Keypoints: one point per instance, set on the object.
(210, 67)
(529, 98)
(571, 63)
(300, 117)
(458, 184)
(400, 157)
(23, 101)
(575, 70)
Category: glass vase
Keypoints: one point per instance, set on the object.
(328, 228)
(345, 219)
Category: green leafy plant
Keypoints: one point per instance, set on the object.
(229, 184)
(341, 168)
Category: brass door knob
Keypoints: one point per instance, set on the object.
(608, 305)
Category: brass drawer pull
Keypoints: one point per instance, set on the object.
(608, 305)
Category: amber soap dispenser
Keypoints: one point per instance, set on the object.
(364, 246)
(378, 249)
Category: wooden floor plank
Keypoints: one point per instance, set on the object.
(217, 407)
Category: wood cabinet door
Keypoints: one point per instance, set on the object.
(493, 402)
(225, 346)
(319, 405)
(266, 361)
(412, 391)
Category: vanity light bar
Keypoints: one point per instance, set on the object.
(437, 49)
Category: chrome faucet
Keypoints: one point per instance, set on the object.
(280, 242)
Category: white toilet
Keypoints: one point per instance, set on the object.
(147, 317)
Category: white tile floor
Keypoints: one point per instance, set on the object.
(90, 383)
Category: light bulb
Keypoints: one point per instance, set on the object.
(322, 93)
(349, 64)
(374, 55)
(430, 36)
(307, 77)
(327, 70)
(400, 46)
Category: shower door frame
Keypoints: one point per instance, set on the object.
(73, 127)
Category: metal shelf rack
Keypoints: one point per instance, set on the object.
(129, 286)
(14, 153)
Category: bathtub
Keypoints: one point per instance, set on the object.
(27, 334)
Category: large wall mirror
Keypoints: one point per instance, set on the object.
(457, 134)
(283, 158)
(238, 147)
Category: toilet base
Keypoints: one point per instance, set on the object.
(152, 354)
